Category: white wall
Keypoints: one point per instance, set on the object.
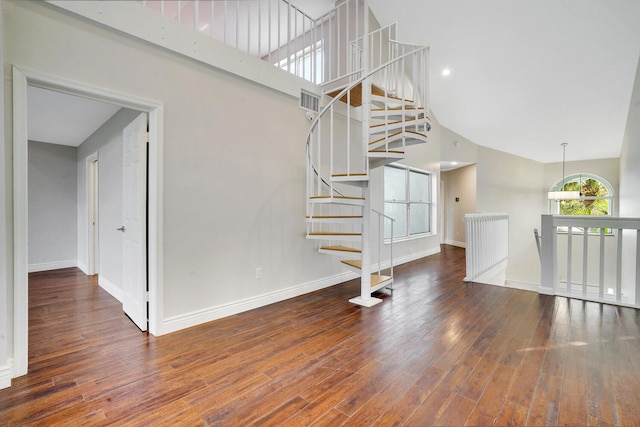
(630, 177)
(630, 157)
(608, 169)
(456, 148)
(461, 184)
(234, 164)
(107, 143)
(513, 185)
(52, 206)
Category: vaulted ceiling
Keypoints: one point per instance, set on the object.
(525, 76)
(528, 75)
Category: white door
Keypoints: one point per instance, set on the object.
(134, 229)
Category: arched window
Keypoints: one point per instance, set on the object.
(596, 196)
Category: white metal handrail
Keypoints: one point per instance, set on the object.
(608, 274)
(276, 31)
(378, 40)
(319, 173)
(381, 218)
(538, 238)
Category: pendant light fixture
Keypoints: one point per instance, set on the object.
(562, 194)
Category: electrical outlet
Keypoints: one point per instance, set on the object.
(259, 273)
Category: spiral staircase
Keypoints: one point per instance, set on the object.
(375, 107)
(366, 124)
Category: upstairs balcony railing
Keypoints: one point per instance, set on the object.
(595, 258)
(487, 254)
(314, 48)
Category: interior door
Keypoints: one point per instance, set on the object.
(134, 229)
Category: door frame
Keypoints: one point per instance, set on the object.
(23, 77)
(92, 185)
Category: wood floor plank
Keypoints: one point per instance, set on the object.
(437, 351)
(512, 414)
(325, 396)
(387, 395)
(445, 392)
(544, 408)
(277, 416)
(456, 412)
(407, 403)
(482, 373)
(493, 398)
(330, 419)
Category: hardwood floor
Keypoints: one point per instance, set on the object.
(437, 352)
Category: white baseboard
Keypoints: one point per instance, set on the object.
(546, 291)
(5, 375)
(525, 286)
(411, 257)
(495, 275)
(194, 318)
(84, 267)
(455, 243)
(114, 290)
(56, 265)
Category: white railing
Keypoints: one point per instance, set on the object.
(487, 249)
(406, 79)
(595, 258)
(336, 144)
(276, 31)
(379, 252)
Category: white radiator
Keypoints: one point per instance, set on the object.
(487, 251)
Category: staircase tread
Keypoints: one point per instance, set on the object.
(352, 262)
(397, 108)
(349, 174)
(377, 279)
(356, 94)
(332, 233)
(391, 135)
(387, 151)
(334, 216)
(337, 197)
(340, 249)
(397, 121)
(394, 97)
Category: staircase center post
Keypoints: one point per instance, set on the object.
(365, 281)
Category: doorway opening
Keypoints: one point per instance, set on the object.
(21, 79)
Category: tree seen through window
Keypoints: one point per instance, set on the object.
(593, 199)
(596, 198)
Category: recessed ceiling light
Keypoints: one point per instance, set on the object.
(454, 163)
(446, 72)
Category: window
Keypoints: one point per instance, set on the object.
(596, 197)
(407, 199)
(306, 63)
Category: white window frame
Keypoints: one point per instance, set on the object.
(304, 62)
(554, 205)
(408, 202)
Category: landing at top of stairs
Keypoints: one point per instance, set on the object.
(355, 99)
